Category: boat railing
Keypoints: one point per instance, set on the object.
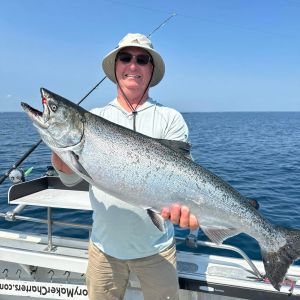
(14, 215)
(192, 241)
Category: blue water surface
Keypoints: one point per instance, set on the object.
(258, 153)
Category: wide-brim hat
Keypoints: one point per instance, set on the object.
(140, 41)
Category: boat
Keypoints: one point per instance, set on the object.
(47, 266)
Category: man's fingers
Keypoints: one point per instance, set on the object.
(165, 213)
(184, 217)
(193, 223)
(180, 215)
(175, 212)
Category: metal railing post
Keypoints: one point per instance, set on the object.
(49, 222)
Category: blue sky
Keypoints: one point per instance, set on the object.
(220, 55)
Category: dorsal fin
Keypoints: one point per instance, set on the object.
(181, 147)
(75, 161)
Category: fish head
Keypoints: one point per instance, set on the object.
(61, 124)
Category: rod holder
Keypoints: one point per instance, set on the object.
(11, 215)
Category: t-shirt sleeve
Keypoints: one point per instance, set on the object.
(176, 128)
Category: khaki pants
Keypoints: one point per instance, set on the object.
(107, 277)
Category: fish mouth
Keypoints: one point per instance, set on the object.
(39, 118)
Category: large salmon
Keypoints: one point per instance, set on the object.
(145, 172)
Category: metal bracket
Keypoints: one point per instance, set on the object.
(6, 273)
(67, 273)
(11, 215)
(52, 274)
(19, 271)
(192, 239)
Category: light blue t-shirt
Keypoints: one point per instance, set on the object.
(119, 229)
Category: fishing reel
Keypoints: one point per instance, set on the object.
(17, 176)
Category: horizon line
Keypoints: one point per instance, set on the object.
(225, 111)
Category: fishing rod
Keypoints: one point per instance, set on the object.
(162, 24)
(34, 146)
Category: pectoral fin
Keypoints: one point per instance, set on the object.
(157, 219)
(78, 166)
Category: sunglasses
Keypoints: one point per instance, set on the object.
(141, 59)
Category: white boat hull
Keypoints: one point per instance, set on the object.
(29, 271)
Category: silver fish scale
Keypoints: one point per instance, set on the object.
(133, 168)
(141, 171)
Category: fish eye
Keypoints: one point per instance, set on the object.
(53, 107)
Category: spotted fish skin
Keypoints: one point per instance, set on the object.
(144, 172)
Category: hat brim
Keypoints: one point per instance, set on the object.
(108, 64)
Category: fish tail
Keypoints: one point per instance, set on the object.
(277, 263)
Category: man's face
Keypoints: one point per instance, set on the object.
(131, 75)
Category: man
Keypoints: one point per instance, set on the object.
(123, 238)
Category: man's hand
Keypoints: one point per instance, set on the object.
(180, 215)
